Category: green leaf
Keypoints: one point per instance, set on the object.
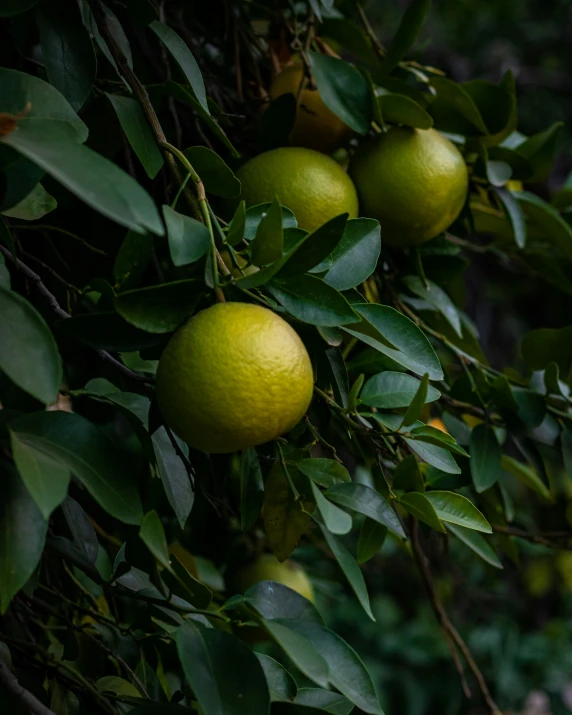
(312, 301)
(153, 536)
(410, 346)
(216, 176)
(299, 649)
(8, 8)
(22, 534)
(225, 675)
(237, 226)
(347, 672)
(432, 435)
(117, 33)
(274, 600)
(371, 537)
(323, 700)
(28, 352)
(107, 331)
(343, 89)
(454, 110)
(350, 569)
(476, 543)
(547, 345)
(182, 583)
(353, 395)
(514, 214)
(540, 151)
(527, 475)
(417, 403)
(255, 214)
(407, 476)
(160, 308)
(45, 479)
(132, 260)
(281, 684)
(367, 501)
(355, 257)
(339, 373)
(80, 446)
(18, 176)
(544, 219)
(189, 239)
(277, 122)
(437, 298)
(407, 33)
(82, 531)
(184, 58)
(67, 50)
(325, 472)
(316, 247)
(174, 475)
(438, 457)
(419, 506)
(486, 456)
(269, 240)
(36, 204)
(94, 179)
(336, 520)
(457, 509)
(400, 109)
(64, 702)
(391, 390)
(251, 489)
(138, 132)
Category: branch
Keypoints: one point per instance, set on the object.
(29, 701)
(544, 538)
(449, 629)
(61, 313)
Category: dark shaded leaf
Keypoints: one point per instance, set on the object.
(391, 390)
(251, 489)
(485, 457)
(268, 243)
(216, 176)
(366, 501)
(371, 537)
(281, 684)
(355, 257)
(476, 543)
(174, 475)
(421, 508)
(406, 34)
(160, 308)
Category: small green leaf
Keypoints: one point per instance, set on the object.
(407, 476)
(325, 472)
(182, 583)
(316, 248)
(28, 352)
(486, 456)
(400, 109)
(392, 390)
(174, 475)
(82, 530)
(353, 395)
(432, 435)
(343, 89)
(527, 475)
(32, 207)
(237, 226)
(371, 537)
(274, 600)
(22, 535)
(457, 509)
(355, 257)
(454, 110)
(351, 571)
(269, 240)
(281, 684)
(540, 151)
(299, 649)
(216, 176)
(184, 58)
(419, 506)
(437, 298)
(407, 33)
(251, 489)
(321, 700)
(438, 457)
(132, 260)
(514, 214)
(152, 534)
(476, 543)
(117, 33)
(189, 239)
(160, 308)
(548, 345)
(366, 501)
(312, 301)
(225, 675)
(138, 132)
(417, 403)
(107, 331)
(544, 219)
(255, 214)
(339, 373)
(336, 520)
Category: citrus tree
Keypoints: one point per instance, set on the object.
(233, 247)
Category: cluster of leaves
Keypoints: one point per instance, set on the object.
(96, 602)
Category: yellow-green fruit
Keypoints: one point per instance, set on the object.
(310, 184)
(234, 376)
(413, 181)
(268, 568)
(315, 126)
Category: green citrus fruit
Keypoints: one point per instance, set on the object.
(310, 184)
(413, 181)
(268, 568)
(234, 376)
(315, 126)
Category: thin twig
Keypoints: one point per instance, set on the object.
(544, 538)
(28, 700)
(369, 31)
(50, 270)
(57, 229)
(443, 619)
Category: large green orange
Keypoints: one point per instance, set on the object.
(268, 568)
(413, 181)
(234, 376)
(310, 184)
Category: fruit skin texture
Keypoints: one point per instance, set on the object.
(268, 568)
(310, 184)
(315, 126)
(234, 376)
(413, 181)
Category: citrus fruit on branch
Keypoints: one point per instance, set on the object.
(315, 125)
(413, 181)
(313, 186)
(234, 376)
(268, 568)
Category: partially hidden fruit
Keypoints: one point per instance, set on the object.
(234, 376)
(268, 568)
(413, 181)
(310, 184)
(315, 125)
(185, 558)
(438, 423)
